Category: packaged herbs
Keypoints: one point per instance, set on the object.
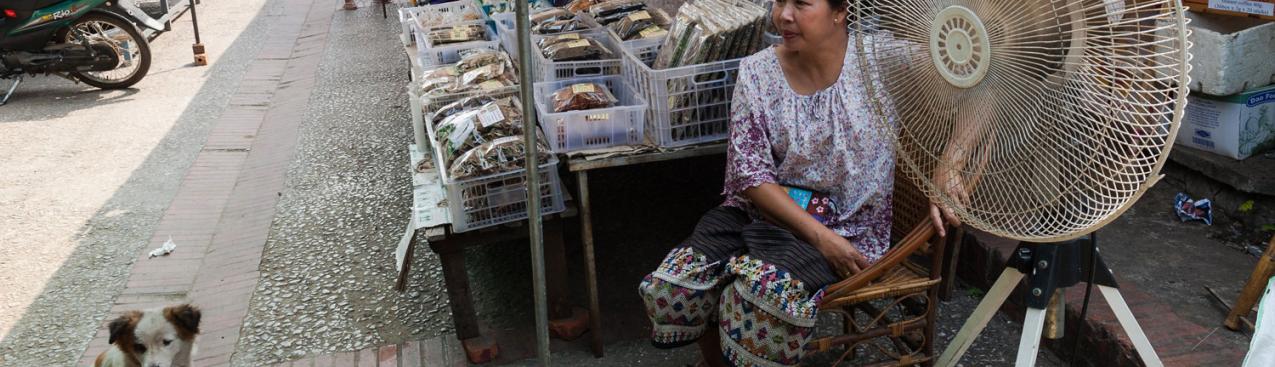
(577, 50)
(439, 36)
(500, 155)
(640, 24)
(463, 131)
(582, 96)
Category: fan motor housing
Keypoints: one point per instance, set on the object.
(959, 46)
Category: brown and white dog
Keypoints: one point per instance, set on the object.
(152, 338)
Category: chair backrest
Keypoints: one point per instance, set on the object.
(911, 206)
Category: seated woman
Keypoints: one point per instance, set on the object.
(747, 283)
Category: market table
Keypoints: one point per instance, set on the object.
(430, 224)
(581, 166)
(449, 246)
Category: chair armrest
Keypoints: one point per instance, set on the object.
(916, 239)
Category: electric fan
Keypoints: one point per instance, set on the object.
(1036, 120)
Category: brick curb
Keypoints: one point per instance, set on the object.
(1103, 341)
(442, 350)
(221, 215)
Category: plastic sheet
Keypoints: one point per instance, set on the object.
(1188, 210)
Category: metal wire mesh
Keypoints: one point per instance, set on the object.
(1038, 120)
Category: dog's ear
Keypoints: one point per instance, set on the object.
(122, 327)
(186, 318)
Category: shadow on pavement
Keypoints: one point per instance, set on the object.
(66, 95)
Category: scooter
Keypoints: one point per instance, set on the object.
(97, 42)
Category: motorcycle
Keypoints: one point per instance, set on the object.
(97, 42)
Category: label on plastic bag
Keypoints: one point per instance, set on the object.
(578, 43)
(458, 136)
(490, 85)
(652, 31)
(569, 36)
(473, 75)
(459, 33)
(582, 88)
(640, 15)
(490, 115)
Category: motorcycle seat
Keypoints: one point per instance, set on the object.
(31, 5)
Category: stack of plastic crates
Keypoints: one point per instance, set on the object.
(490, 200)
(548, 70)
(423, 107)
(434, 15)
(429, 54)
(545, 70)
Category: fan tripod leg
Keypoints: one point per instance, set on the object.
(1130, 325)
(1051, 266)
(973, 326)
(1029, 344)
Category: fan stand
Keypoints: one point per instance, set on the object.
(1047, 267)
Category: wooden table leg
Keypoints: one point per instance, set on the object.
(591, 275)
(1252, 291)
(478, 348)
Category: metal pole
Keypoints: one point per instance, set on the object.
(194, 20)
(201, 59)
(533, 182)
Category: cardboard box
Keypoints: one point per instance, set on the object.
(1236, 126)
(1261, 9)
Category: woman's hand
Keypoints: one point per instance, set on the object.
(844, 258)
(778, 208)
(953, 186)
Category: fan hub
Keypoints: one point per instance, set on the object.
(959, 46)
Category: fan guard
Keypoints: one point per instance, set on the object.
(1055, 115)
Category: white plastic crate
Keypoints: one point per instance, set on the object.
(423, 108)
(480, 202)
(548, 70)
(507, 30)
(592, 129)
(686, 105)
(430, 55)
(645, 48)
(418, 116)
(438, 14)
(504, 23)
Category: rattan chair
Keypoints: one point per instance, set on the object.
(895, 299)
